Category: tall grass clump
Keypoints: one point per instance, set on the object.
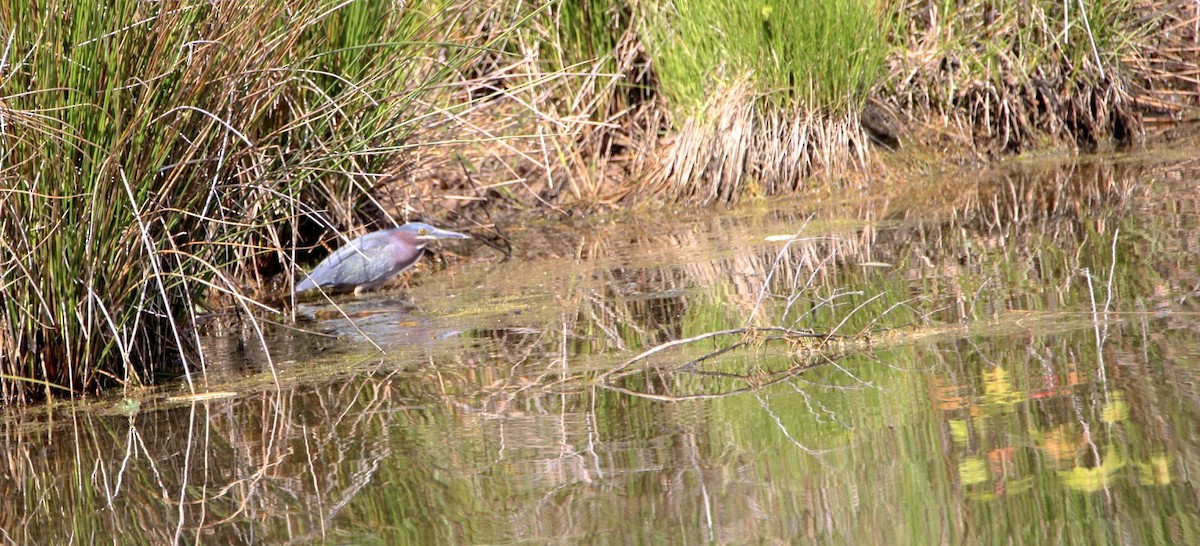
(1016, 73)
(154, 154)
(762, 93)
(808, 53)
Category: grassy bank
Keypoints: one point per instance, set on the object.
(160, 160)
(158, 156)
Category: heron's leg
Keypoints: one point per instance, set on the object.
(359, 290)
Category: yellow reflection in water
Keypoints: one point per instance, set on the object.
(1060, 444)
(959, 431)
(998, 390)
(972, 470)
(1155, 472)
(1116, 410)
(1094, 478)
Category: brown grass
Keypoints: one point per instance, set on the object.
(1165, 65)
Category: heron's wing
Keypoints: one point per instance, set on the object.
(371, 241)
(353, 265)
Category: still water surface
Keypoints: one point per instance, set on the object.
(1019, 365)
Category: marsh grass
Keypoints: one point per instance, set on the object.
(158, 156)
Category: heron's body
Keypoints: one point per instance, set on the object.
(371, 260)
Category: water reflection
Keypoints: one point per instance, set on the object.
(1028, 376)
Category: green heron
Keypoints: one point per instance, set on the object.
(370, 260)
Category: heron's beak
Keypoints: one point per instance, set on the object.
(435, 233)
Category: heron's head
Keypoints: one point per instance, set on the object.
(425, 232)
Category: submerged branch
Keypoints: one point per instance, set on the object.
(748, 333)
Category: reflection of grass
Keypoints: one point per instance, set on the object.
(876, 293)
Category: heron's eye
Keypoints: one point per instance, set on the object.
(422, 232)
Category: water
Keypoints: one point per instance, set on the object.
(1019, 365)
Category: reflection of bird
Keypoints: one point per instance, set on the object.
(370, 260)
